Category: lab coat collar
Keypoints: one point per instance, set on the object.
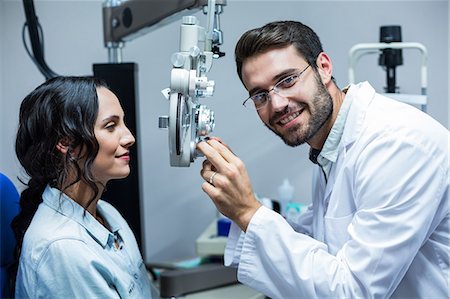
(362, 95)
(327, 156)
(329, 153)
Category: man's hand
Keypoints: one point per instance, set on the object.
(227, 182)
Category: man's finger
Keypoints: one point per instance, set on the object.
(213, 156)
(223, 149)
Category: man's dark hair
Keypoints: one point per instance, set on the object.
(278, 35)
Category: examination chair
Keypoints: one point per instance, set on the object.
(9, 208)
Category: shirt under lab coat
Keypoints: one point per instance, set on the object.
(67, 254)
(378, 228)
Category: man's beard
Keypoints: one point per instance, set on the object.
(320, 110)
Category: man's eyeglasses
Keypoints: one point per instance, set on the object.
(282, 88)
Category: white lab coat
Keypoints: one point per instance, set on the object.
(378, 228)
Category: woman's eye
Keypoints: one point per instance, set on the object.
(110, 126)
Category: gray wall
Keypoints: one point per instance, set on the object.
(175, 210)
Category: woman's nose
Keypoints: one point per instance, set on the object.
(127, 139)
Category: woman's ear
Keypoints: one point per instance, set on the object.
(63, 146)
(324, 67)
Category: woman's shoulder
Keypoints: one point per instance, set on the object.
(46, 228)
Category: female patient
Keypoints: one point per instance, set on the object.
(71, 141)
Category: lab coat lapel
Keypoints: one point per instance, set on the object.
(361, 96)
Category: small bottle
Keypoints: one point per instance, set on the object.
(285, 195)
(293, 211)
(223, 225)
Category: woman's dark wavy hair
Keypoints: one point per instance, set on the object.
(61, 110)
(277, 35)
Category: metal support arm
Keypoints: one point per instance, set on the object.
(126, 20)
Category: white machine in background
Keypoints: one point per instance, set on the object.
(390, 45)
(188, 120)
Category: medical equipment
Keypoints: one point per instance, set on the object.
(359, 50)
(390, 58)
(188, 120)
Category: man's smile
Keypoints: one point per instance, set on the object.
(286, 119)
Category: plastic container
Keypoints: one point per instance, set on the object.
(223, 226)
(285, 195)
(293, 211)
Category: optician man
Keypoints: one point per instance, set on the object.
(378, 225)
